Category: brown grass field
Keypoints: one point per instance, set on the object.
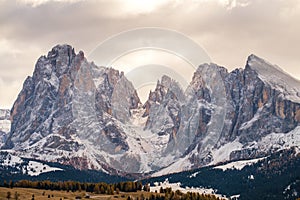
(26, 194)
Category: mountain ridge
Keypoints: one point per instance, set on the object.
(74, 112)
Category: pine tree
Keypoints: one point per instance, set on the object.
(78, 187)
(16, 196)
(11, 184)
(139, 186)
(97, 189)
(5, 183)
(8, 195)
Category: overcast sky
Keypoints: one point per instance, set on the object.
(229, 30)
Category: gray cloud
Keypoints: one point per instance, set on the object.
(229, 33)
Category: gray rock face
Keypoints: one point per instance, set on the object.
(121, 107)
(74, 112)
(163, 107)
(259, 108)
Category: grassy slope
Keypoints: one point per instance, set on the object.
(26, 193)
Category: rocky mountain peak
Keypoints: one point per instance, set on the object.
(165, 90)
(166, 81)
(58, 61)
(61, 50)
(261, 66)
(275, 77)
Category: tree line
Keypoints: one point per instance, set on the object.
(110, 189)
(98, 188)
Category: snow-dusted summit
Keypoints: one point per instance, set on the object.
(276, 77)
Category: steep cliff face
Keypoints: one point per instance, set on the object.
(268, 103)
(74, 112)
(261, 107)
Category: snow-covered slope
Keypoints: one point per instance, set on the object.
(31, 168)
(239, 165)
(177, 187)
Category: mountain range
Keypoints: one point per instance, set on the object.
(73, 112)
